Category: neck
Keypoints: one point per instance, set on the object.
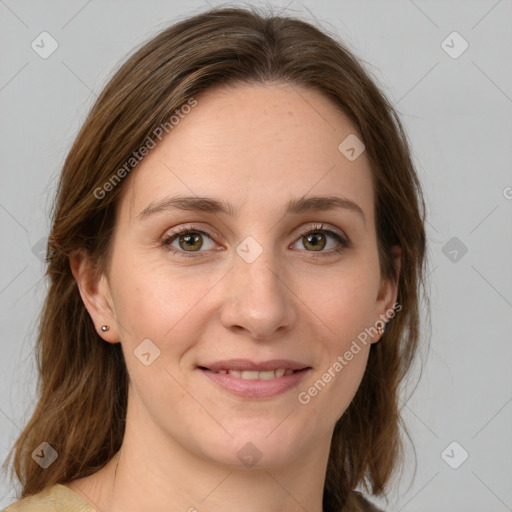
(155, 472)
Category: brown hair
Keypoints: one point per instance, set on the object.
(83, 382)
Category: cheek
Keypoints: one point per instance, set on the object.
(345, 301)
(347, 311)
(344, 356)
(156, 302)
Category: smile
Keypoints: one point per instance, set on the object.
(257, 375)
(248, 379)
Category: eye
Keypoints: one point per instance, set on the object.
(189, 240)
(316, 239)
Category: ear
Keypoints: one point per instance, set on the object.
(388, 291)
(95, 292)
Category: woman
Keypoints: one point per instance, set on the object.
(235, 267)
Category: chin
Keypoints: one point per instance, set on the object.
(254, 448)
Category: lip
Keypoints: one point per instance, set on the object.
(255, 388)
(246, 364)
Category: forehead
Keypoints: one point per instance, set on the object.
(256, 146)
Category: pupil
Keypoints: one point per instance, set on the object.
(316, 237)
(191, 240)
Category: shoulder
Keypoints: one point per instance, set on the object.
(57, 498)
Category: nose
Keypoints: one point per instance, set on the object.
(258, 300)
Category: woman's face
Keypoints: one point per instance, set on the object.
(247, 283)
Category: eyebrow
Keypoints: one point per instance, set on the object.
(211, 205)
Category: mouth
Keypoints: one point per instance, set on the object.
(255, 380)
(255, 374)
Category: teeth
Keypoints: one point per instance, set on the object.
(257, 375)
(247, 375)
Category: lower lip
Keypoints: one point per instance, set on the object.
(256, 388)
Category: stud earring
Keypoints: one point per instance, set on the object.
(381, 330)
(105, 328)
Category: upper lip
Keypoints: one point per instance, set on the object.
(247, 365)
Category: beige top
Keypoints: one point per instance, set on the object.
(60, 498)
(57, 498)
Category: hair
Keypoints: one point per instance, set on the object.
(82, 387)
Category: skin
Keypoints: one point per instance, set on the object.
(257, 147)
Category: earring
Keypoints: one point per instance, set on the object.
(381, 330)
(105, 328)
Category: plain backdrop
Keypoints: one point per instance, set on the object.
(454, 94)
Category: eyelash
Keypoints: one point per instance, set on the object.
(344, 243)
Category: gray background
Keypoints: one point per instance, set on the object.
(457, 114)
